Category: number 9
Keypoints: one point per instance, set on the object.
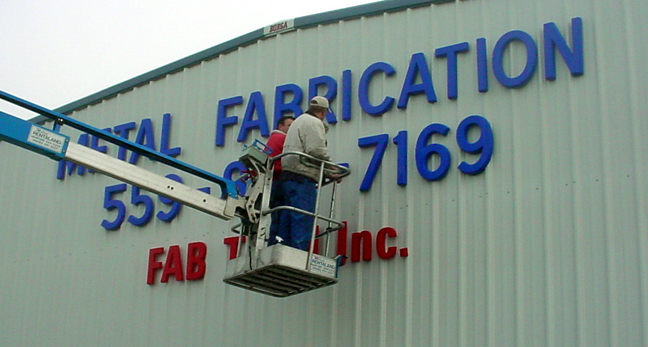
(483, 145)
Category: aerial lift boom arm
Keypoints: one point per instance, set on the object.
(274, 270)
(58, 146)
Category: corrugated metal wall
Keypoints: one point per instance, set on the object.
(547, 247)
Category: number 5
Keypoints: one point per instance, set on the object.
(111, 204)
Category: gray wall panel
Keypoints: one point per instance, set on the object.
(546, 247)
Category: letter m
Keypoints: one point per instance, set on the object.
(65, 165)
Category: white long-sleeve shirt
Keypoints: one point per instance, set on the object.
(307, 134)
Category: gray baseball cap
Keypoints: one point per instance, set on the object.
(320, 101)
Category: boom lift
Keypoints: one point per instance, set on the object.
(276, 270)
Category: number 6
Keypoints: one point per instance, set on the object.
(424, 151)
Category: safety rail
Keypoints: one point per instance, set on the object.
(279, 270)
(332, 169)
(329, 172)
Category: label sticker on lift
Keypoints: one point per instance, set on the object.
(46, 139)
(323, 266)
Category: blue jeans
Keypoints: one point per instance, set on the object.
(277, 198)
(296, 228)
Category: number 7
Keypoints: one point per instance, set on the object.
(380, 141)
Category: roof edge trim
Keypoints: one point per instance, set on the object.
(371, 9)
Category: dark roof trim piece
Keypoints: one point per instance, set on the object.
(365, 10)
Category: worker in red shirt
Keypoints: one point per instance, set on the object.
(276, 143)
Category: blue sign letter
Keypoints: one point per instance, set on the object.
(222, 120)
(573, 58)
(531, 61)
(363, 89)
(418, 66)
(450, 52)
(254, 104)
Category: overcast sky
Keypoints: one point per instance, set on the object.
(58, 51)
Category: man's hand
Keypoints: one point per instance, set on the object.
(336, 177)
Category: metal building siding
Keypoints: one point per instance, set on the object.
(547, 247)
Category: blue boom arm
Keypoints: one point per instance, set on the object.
(23, 133)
